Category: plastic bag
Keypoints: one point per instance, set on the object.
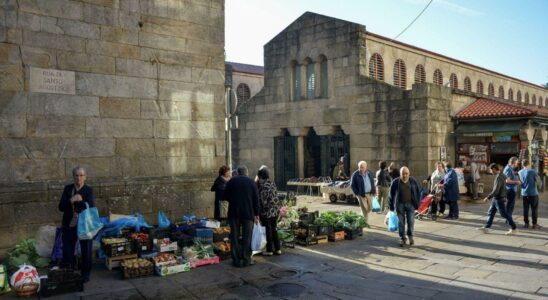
(163, 221)
(4, 284)
(57, 249)
(392, 221)
(376, 205)
(224, 210)
(89, 223)
(45, 238)
(258, 239)
(25, 274)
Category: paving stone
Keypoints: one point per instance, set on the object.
(473, 273)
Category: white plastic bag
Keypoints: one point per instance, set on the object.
(258, 239)
(25, 274)
(45, 238)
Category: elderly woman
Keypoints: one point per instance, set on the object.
(221, 207)
(270, 209)
(72, 203)
(435, 179)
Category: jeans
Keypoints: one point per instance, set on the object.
(241, 253)
(498, 204)
(453, 209)
(406, 212)
(511, 202)
(272, 241)
(530, 201)
(70, 237)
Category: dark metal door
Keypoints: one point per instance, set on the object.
(333, 148)
(285, 160)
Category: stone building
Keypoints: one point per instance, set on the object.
(131, 90)
(333, 89)
(245, 80)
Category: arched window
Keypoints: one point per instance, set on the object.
(526, 98)
(534, 100)
(438, 77)
(420, 75)
(376, 67)
(467, 84)
(540, 101)
(491, 90)
(400, 74)
(518, 96)
(323, 76)
(501, 92)
(511, 95)
(243, 92)
(479, 87)
(310, 80)
(453, 81)
(296, 81)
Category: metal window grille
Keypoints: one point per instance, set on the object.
(420, 75)
(400, 74)
(376, 67)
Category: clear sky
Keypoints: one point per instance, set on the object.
(506, 36)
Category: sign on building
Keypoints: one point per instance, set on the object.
(52, 81)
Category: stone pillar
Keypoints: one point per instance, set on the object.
(300, 155)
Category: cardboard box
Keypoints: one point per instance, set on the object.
(168, 270)
(165, 248)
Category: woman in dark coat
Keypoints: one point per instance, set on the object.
(270, 209)
(219, 188)
(72, 203)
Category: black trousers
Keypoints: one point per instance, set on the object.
(272, 241)
(530, 201)
(241, 252)
(434, 206)
(70, 237)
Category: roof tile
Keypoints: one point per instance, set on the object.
(487, 108)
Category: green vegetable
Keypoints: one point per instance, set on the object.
(327, 218)
(25, 253)
(285, 235)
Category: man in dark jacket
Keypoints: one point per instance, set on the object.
(363, 186)
(450, 185)
(243, 210)
(404, 198)
(498, 196)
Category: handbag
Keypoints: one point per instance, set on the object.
(89, 223)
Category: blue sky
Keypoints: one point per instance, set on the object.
(507, 36)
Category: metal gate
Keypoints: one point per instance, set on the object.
(285, 159)
(333, 148)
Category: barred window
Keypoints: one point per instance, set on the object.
(243, 92)
(540, 101)
(511, 95)
(479, 87)
(519, 96)
(376, 67)
(453, 81)
(438, 77)
(526, 98)
(467, 84)
(310, 80)
(400, 74)
(491, 90)
(420, 75)
(534, 100)
(501, 92)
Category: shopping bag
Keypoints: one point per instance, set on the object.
(376, 205)
(163, 221)
(392, 221)
(57, 250)
(45, 238)
(89, 223)
(258, 238)
(26, 274)
(224, 209)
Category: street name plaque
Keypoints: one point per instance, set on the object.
(52, 81)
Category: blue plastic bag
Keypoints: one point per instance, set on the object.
(258, 238)
(376, 206)
(89, 223)
(163, 221)
(392, 221)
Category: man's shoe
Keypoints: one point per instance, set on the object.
(527, 226)
(455, 218)
(448, 217)
(411, 241)
(511, 232)
(278, 252)
(483, 229)
(536, 226)
(402, 243)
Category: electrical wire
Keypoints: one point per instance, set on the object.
(414, 20)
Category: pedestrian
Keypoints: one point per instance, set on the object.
(243, 211)
(511, 185)
(404, 198)
(393, 171)
(363, 186)
(382, 183)
(436, 177)
(474, 177)
(257, 176)
(498, 196)
(221, 206)
(73, 202)
(270, 209)
(529, 193)
(450, 184)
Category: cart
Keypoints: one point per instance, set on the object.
(339, 191)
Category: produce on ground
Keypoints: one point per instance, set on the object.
(25, 253)
(136, 263)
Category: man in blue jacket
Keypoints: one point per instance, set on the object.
(512, 182)
(529, 193)
(363, 186)
(450, 185)
(404, 198)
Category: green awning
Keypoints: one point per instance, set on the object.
(489, 128)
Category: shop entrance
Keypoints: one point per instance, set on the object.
(285, 159)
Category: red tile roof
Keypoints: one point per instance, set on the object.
(490, 109)
(244, 68)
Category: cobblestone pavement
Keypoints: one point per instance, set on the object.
(451, 260)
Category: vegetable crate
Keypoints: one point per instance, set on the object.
(61, 282)
(219, 234)
(204, 262)
(336, 236)
(182, 239)
(159, 233)
(174, 269)
(204, 232)
(115, 262)
(322, 239)
(288, 244)
(308, 217)
(117, 248)
(307, 241)
(306, 231)
(350, 234)
(203, 240)
(324, 229)
(129, 273)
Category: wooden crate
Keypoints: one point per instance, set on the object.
(336, 236)
(322, 239)
(114, 262)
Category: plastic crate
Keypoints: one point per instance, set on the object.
(336, 236)
(204, 233)
(159, 233)
(350, 234)
(182, 239)
(118, 249)
(204, 262)
(307, 241)
(306, 231)
(61, 281)
(325, 229)
(308, 217)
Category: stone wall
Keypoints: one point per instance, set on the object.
(144, 115)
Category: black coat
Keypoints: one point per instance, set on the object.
(243, 197)
(66, 207)
(219, 188)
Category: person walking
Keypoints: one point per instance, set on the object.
(529, 193)
(73, 201)
(270, 209)
(393, 171)
(221, 206)
(363, 186)
(498, 196)
(450, 184)
(382, 183)
(404, 199)
(474, 178)
(243, 211)
(511, 184)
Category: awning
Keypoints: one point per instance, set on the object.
(489, 128)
